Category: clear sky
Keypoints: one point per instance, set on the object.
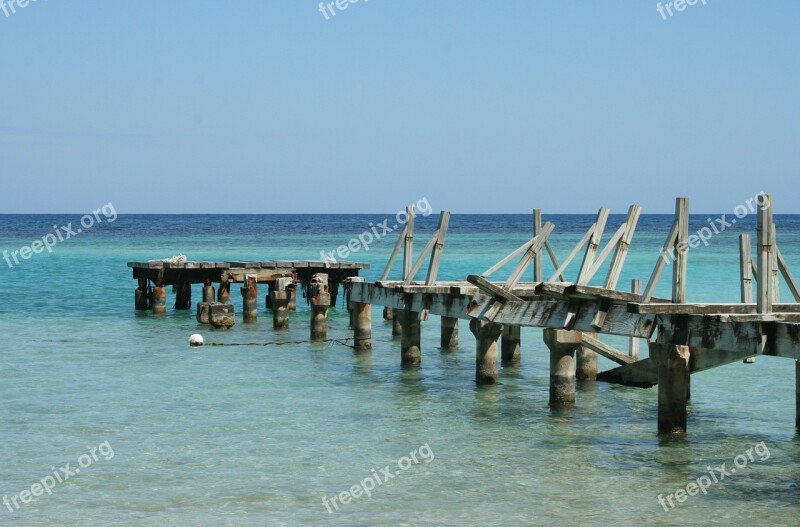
(252, 106)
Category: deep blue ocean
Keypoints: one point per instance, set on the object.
(258, 435)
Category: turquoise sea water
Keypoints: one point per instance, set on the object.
(258, 435)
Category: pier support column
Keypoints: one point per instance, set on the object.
(797, 394)
(292, 290)
(142, 302)
(388, 313)
(183, 295)
(449, 333)
(486, 335)
(208, 293)
(268, 298)
(333, 290)
(320, 302)
(250, 299)
(397, 323)
(224, 293)
(279, 298)
(363, 326)
(563, 345)
(410, 338)
(586, 366)
(673, 386)
(361, 317)
(510, 345)
(159, 300)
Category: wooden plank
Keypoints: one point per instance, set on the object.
(438, 247)
(617, 263)
(420, 260)
(707, 309)
(610, 246)
(663, 258)
(408, 242)
(681, 263)
(633, 344)
(552, 253)
(591, 248)
(485, 285)
(746, 268)
(605, 350)
(521, 249)
(572, 254)
(787, 275)
(527, 258)
(766, 246)
(395, 251)
(538, 261)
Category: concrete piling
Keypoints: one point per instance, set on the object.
(224, 293)
(362, 321)
(511, 350)
(208, 292)
(388, 313)
(183, 295)
(320, 302)
(159, 300)
(563, 345)
(279, 298)
(586, 363)
(486, 335)
(449, 337)
(292, 290)
(250, 299)
(410, 338)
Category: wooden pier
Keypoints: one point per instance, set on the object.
(320, 279)
(683, 337)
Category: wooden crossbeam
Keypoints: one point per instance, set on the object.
(594, 243)
(436, 239)
(559, 272)
(400, 241)
(663, 257)
(492, 289)
(438, 247)
(605, 350)
(615, 269)
(787, 276)
(529, 255)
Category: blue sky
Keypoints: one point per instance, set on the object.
(482, 107)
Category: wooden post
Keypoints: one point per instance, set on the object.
(279, 297)
(562, 345)
(320, 300)
(183, 295)
(408, 248)
(673, 386)
(511, 351)
(449, 335)
(486, 335)
(746, 267)
(362, 327)
(797, 394)
(250, 299)
(410, 339)
(636, 288)
(538, 261)
(586, 363)
(680, 264)
(141, 301)
(159, 300)
(224, 293)
(766, 248)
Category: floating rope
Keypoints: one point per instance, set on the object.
(330, 342)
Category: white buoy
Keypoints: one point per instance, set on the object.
(196, 340)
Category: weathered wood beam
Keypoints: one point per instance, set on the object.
(438, 247)
(538, 261)
(615, 269)
(584, 275)
(666, 252)
(605, 350)
(766, 247)
(707, 309)
(746, 266)
(559, 272)
(400, 241)
(527, 258)
(633, 345)
(492, 289)
(787, 276)
(681, 263)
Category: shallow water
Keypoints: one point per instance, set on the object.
(258, 435)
